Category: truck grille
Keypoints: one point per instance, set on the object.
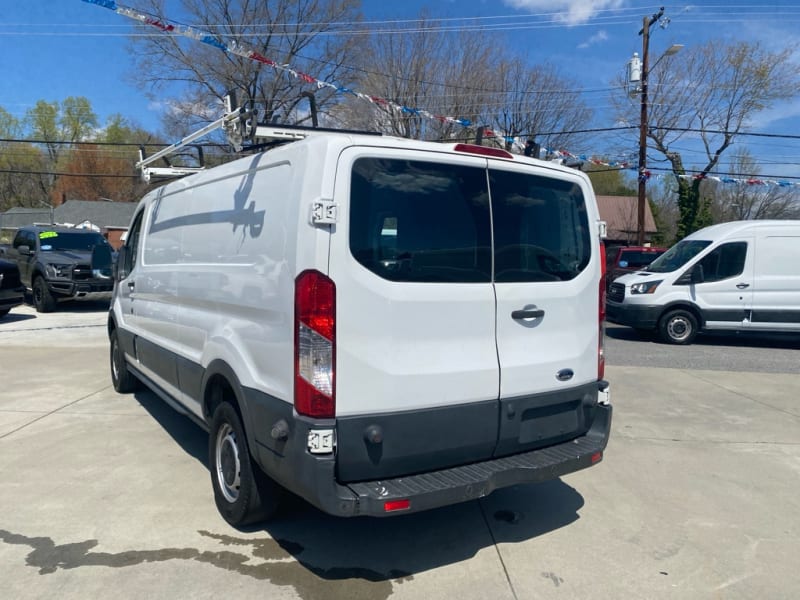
(616, 292)
(81, 272)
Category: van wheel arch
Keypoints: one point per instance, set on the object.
(220, 384)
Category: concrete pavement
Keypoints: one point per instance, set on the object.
(106, 495)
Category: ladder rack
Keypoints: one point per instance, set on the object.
(237, 124)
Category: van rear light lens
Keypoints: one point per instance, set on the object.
(315, 345)
(394, 505)
(601, 310)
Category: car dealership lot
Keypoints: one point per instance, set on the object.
(108, 495)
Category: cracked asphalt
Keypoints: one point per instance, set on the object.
(107, 495)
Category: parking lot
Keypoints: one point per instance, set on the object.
(105, 495)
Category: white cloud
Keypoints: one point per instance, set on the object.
(571, 12)
(600, 36)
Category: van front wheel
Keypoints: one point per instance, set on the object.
(243, 493)
(678, 327)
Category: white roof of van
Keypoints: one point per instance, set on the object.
(721, 230)
(326, 143)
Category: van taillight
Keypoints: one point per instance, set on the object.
(315, 345)
(601, 309)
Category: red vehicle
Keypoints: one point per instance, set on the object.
(624, 259)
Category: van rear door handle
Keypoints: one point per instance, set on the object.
(742, 286)
(533, 313)
(131, 284)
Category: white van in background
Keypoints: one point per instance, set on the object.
(742, 275)
(379, 325)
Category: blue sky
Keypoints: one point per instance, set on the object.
(63, 48)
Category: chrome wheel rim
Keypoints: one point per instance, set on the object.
(679, 328)
(227, 463)
(114, 360)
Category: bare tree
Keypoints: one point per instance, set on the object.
(710, 92)
(537, 103)
(421, 82)
(413, 78)
(740, 200)
(300, 33)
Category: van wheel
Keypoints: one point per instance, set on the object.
(242, 492)
(123, 380)
(43, 300)
(678, 327)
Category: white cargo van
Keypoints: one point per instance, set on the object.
(742, 275)
(380, 326)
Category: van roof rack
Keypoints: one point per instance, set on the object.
(237, 124)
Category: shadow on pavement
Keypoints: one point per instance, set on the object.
(790, 340)
(348, 554)
(15, 317)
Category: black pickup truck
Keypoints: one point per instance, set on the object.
(58, 263)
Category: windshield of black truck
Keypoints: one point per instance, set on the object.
(677, 256)
(59, 240)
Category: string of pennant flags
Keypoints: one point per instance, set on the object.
(234, 47)
(169, 26)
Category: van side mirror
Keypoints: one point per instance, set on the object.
(24, 249)
(692, 276)
(118, 269)
(697, 275)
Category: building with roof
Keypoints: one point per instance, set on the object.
(111, 218)
(621, 214)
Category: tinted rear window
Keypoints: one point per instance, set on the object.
(541, 229)
(431, 222)
(420, 221)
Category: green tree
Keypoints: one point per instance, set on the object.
(42, 124)
(77, 121)
(17, 187)
(51, 123)
(608, 181)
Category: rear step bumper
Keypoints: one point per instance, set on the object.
(458, 484)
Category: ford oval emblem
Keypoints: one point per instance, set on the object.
(564, 374)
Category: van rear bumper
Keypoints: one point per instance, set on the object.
(313, 476)
(468, 482)
(638, 316)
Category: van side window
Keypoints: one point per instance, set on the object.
(420, 221)
(132, 242)
(725, 261)
(541, 229)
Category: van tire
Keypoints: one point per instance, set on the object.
(124, 381)
(43, 300)
(242, 492)
(678, 327)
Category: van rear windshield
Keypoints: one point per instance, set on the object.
(432, 222)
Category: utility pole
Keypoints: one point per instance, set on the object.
(645, 33)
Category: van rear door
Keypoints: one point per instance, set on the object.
(416, 361)
(547, 277)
